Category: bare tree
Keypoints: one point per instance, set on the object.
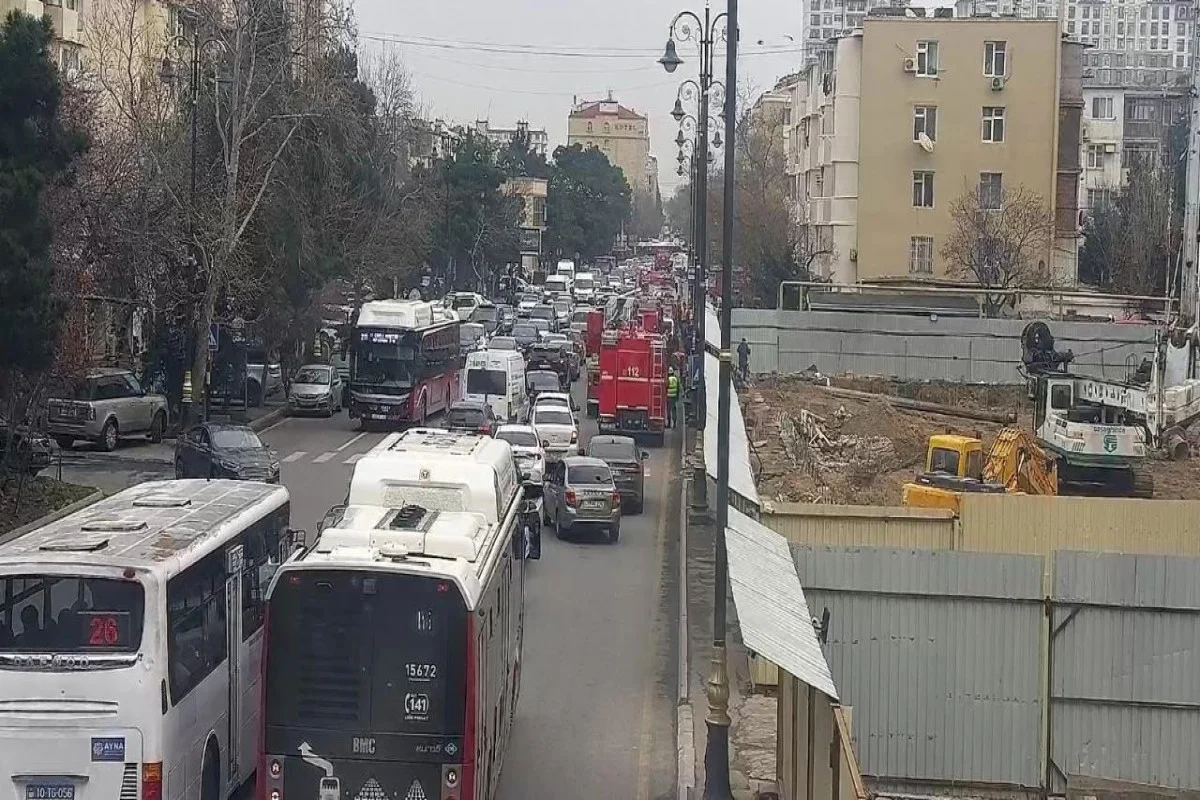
(999, 242)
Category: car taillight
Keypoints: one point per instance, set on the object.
(574, 437)
(616, 498)
(91, 413)
(570, 497)
(486, 430)
(152, 780)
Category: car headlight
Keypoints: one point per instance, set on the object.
(232, 466)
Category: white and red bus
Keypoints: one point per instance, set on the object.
(405, 362)
(393, 657)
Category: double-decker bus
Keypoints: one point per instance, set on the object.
(130, 641)
(405, 362)
(394, 642)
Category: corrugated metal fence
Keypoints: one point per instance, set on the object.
(925, 347)
(944, 657)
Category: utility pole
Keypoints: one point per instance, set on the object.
(1189, 306)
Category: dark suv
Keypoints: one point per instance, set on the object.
(625, 460)
(472, 416)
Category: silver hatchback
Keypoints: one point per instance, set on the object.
(579, 495)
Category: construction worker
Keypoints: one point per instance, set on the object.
(743, 352)
(672, 397)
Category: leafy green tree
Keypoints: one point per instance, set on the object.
(587, 202)
(519, 160)
(34, 150)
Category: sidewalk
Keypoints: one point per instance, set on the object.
(141, 451)
(752, 735)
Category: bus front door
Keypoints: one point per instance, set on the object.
(234, 557)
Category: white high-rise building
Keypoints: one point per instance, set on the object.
(825, 20)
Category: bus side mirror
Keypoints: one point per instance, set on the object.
(299, 539)
(332, 517)
(531, 531)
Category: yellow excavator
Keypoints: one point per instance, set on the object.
(955, 464)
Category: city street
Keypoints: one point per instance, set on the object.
(596, 712)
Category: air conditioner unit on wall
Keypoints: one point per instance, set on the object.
(1110, 148)
(998, 83)
(910, 65)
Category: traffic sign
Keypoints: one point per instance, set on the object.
(213, 336)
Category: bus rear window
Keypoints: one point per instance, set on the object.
(70, 614)
(361, 651)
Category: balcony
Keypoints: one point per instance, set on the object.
(67, 25)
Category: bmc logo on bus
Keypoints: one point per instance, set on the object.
(364, 746)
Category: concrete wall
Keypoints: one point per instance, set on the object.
(925, 347)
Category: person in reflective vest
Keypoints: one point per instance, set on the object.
(672, 397)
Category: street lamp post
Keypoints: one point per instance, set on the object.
(716, 756)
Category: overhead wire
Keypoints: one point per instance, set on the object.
(545, 51)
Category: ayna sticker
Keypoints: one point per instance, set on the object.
(108, 748)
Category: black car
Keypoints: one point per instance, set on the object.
(625, 460)
(217, 450)
(541, 380)
(27, 450)
(546, 312)
(526, 334)
(550, 356)
(472, 416)
(487, 315)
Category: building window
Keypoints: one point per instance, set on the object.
(991, 191)
(927, 58)
(589, 127)
(925, 121)
(1142, 110)
(993, 124)
(1098, 197)
(922, 190)
(1095, 156)
(1102, 108)
(995, 63)
(920, 255)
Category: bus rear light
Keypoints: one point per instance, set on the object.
(152, 780)
(276, 794)
(276, 769)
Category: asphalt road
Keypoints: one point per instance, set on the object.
(596, 715)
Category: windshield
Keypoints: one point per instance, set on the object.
(486, 314)
(383, 359)
(542, 380)
(562, 306)
(519, 438)
(465, 417)
(552, 416)
(235, 439)
(540, 325)
(580, 315)
(350, 650)
(70, 614)
(524, 331)
(556, 283)
(463, 302)
(487, 381)
(542, 312)
(612, 451)
(312, 375)
(503, 343)
(470, 332)
(579, 474)
(584, 282)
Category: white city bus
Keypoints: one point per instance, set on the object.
(131, 640)
(394, 643)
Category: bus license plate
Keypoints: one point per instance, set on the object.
(50, 791)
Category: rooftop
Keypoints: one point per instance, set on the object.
(604, 108)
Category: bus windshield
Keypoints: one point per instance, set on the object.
(70, 614)
(383, 359)
(364, 652)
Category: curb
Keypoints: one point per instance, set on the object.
(53, 516)
(685, 743)
(268, 419)
(87, 457)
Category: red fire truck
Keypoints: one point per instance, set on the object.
(632, 390)
(593, 337)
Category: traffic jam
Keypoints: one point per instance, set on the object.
(182, 639)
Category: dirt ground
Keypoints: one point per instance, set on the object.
(810, 445)
(35, 498)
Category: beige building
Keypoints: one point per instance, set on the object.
(533, 192)
(951, 105)
(620, 133)
(67, 17)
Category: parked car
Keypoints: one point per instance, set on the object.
(29, 451)
(221, 450)
(472, 416)
(316, 387)
(107, 406)
(579, 495)
(527, 450)
(264, 377)
(557, 430)
(623, 457)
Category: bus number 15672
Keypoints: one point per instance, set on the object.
(421, 672)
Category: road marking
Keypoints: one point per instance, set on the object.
(321, 459)
(283, 421)
(352, 441)
(647, 735)
(296, 456)
(354, 459)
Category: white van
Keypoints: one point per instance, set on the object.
(557, 286)
(585, 288)
(567, 270)
(497, 377)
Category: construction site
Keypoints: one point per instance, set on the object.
(859, 440)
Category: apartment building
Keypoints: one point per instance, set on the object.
(539, 140)
(619, 132)
(1121, 126)
(68, 18)
(952, 105)
(825, 20)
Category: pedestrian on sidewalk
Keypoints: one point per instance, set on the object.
(672, 397)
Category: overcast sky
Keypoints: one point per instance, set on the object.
(461, 76)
